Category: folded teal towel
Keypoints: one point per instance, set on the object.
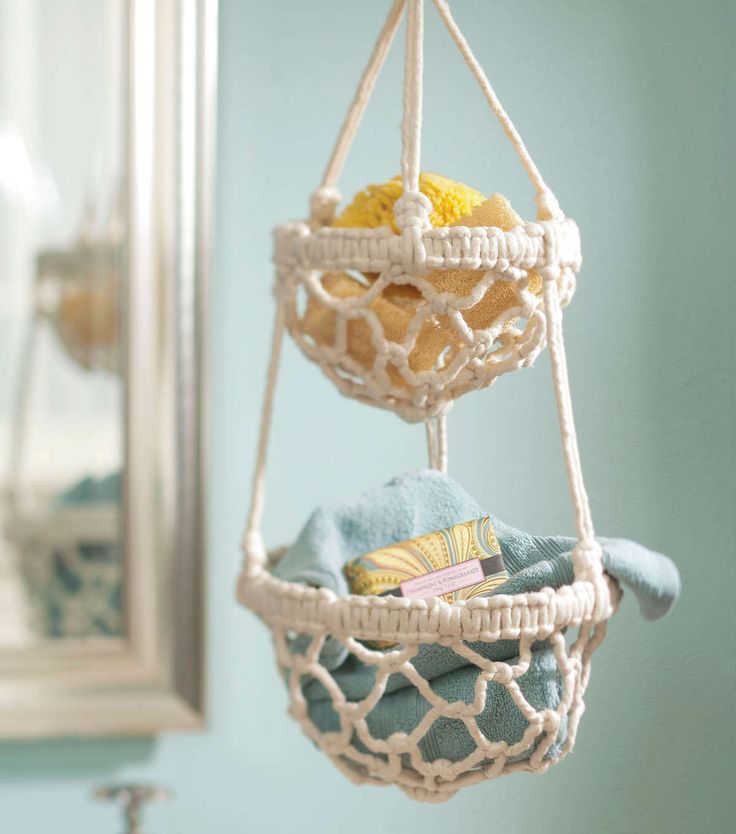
(419, 503)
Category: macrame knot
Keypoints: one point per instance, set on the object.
(502, 674)
(549, 273)
(551, 721)
(420, 794)
(455, 709)
(548, 208)
(399, 742)
(441, 303)
(445, 769)
(586, 557)
(253, 545)
(412, 209)
(322, 205)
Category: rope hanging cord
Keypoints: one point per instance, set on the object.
(547, 205)
(253, 544)
(326, 198)
(436, 428)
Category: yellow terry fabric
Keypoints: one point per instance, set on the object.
(374, 206)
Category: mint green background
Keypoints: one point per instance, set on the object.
(625, 107)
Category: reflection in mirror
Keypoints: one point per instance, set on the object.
(62, 239)
(106, 159)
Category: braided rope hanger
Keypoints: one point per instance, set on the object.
(412, 216)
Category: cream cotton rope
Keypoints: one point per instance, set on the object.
(571, 619)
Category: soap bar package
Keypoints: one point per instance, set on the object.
(461, 562)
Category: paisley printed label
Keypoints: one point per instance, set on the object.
(443, 581)
(460, 562)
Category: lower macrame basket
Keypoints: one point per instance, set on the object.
(570, 624)
(530, 654)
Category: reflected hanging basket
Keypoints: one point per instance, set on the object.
(571, 619)
(77, 291)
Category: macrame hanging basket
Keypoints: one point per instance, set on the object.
(85, 317)
(571, 619)
(77, 291)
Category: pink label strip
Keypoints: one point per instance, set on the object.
(443, 581)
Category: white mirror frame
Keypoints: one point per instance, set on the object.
(151, 680)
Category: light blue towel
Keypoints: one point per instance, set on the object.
(408, 506)
(419, 503)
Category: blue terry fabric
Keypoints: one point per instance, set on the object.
(448, 738)
(407, 506)
(419, 503)
(536, 562)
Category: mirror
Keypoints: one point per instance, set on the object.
(60, 556)
(106, 155)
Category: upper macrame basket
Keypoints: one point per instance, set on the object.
(571, 619)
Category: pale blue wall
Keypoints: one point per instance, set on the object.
(624, 105)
